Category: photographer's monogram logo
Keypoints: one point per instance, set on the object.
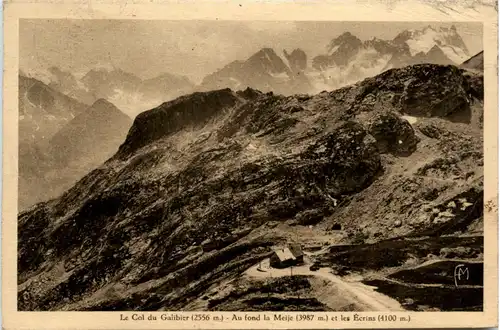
(461, 274)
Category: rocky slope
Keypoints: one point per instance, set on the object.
(204, 186)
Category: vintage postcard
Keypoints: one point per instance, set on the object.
(257, 165)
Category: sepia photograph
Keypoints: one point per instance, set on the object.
(224, 165)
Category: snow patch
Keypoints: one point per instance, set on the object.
(422, 42)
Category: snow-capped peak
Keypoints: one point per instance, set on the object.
(422, 41)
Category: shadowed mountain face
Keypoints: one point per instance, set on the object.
(197, 190)
(95, 133)
(297, 60)
(47, 169)
(476, 62)
(42, 112)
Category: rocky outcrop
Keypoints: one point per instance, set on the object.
(175, 115)
(423, 90)
(393, 134)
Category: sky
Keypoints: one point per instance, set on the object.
(148, 48)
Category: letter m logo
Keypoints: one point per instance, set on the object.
(461, 274)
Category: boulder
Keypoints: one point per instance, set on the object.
(393, 134)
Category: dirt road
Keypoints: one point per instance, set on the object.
(373, 300)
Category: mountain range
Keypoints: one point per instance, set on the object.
(382, 179)
(347, 60)
(127, 91)
(366, 157)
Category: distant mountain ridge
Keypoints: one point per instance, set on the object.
(448, 39)
(43, 110)
(265, 70)
(129, 92)
(93, 135)
(348, 59)
(61, 139)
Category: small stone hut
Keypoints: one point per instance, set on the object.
(291, 255)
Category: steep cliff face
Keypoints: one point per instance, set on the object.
(197, 191)
(173, 116)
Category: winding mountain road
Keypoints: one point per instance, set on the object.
(373, 300)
